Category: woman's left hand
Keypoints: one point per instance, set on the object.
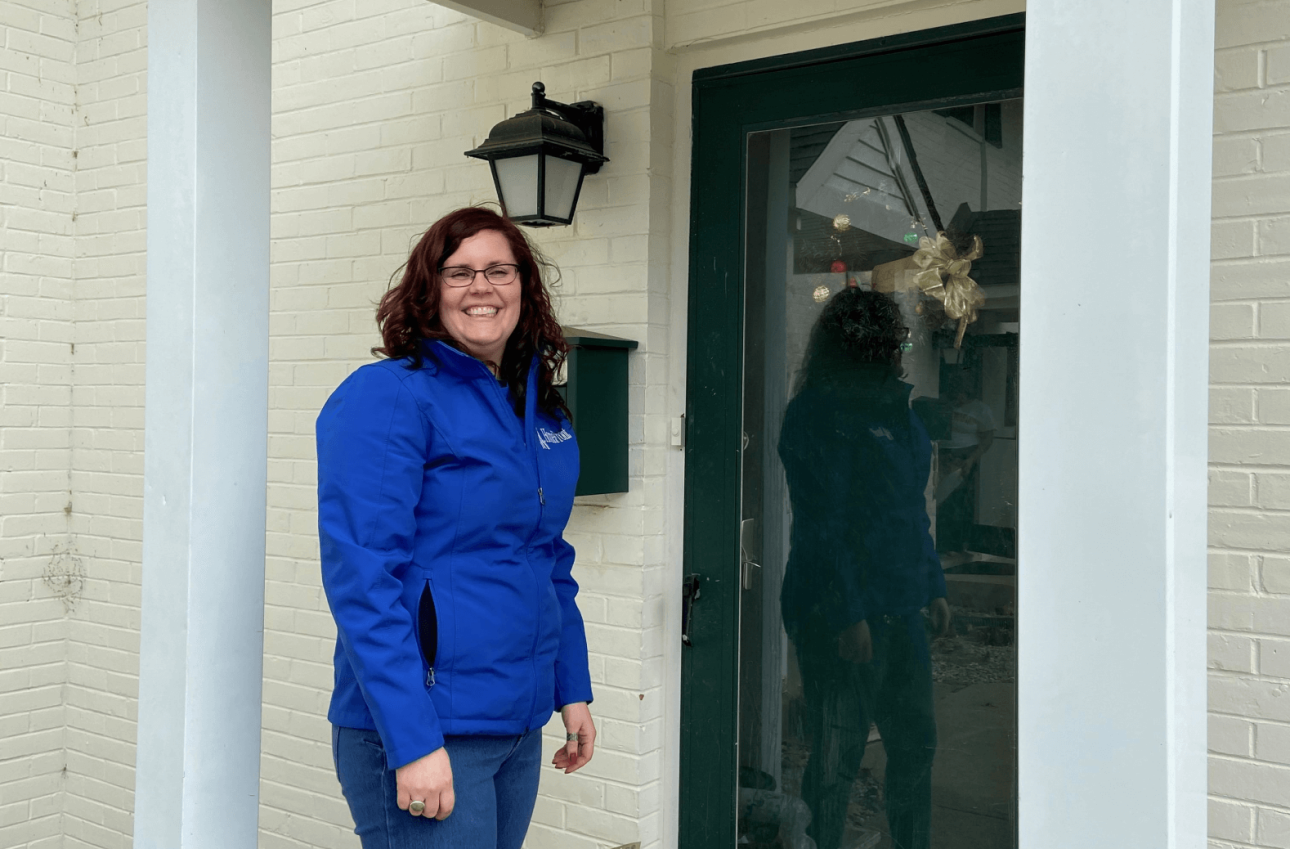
(939, 609)
(575, 754)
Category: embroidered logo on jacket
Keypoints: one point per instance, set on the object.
(546, 437)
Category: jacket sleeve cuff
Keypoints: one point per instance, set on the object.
(573, 677)
(849, 613)
(572, 693)
(412, 743)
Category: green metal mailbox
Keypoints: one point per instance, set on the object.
(595, 389)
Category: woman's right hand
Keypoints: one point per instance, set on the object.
(428, 780)
(855, 644)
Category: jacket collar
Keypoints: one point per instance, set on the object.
(441, 355)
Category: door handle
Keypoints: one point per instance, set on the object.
(689, 594)
(747, 532)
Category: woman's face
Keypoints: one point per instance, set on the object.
(481, 316)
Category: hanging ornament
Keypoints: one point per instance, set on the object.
(842, 222)
(821, 294)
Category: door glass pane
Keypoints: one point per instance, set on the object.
(879, 522)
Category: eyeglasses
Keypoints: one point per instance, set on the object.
(458, 276)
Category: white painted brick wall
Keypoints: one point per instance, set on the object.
(107, 428)
(702, 22)
(374, 105)
(374, 102)
(1250, 434)
(37, 200)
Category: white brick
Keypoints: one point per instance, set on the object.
(1231, 820)
(1248, 445)
(1274, 658)
(1233, 240)
(1276, 152)
(1276, 574)
(1272, 236)
(1273, 829)
(1274, 406)
(1230, 653)
(1232, 406)
(1255, 782)
(622, 34)
(1277, 64)
(1270, 615)
(1274, 492)
(1231, 611)
(1246, 23)
(1242, 280)
(1274, 318)
(1231, 489)
(1230, 736)
(1261, 194)
(1236, 69)
(1272, 743)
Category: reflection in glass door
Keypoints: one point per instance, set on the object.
(878, 524)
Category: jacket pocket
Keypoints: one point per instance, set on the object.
(428, 631)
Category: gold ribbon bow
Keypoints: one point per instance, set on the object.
(944, 276)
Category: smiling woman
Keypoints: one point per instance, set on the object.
(417, 309)
(481, 314)
(446, 474)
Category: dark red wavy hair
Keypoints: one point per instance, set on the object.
(408, 315)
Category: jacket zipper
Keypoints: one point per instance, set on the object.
(530, 422)
(533, 438)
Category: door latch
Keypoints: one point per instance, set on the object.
(689, 595)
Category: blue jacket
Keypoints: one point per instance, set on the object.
(440, 518)
(857, 460)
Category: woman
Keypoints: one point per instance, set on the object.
(861, 567)
(446, 474)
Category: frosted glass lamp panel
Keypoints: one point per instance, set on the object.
(517, 181)
(562, 177)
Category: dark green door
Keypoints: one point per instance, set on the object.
(814, 177)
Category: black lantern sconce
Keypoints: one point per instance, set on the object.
(539, 158)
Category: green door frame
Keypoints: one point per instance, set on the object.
(957, 65)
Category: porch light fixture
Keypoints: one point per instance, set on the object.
(539, 158)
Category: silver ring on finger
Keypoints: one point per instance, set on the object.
(417, 808)
(569, 738)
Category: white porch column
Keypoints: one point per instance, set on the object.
(205, 443)
(1115, 256)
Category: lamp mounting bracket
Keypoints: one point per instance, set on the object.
(587, 115)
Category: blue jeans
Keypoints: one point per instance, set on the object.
(895, 691)
(495, 780)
